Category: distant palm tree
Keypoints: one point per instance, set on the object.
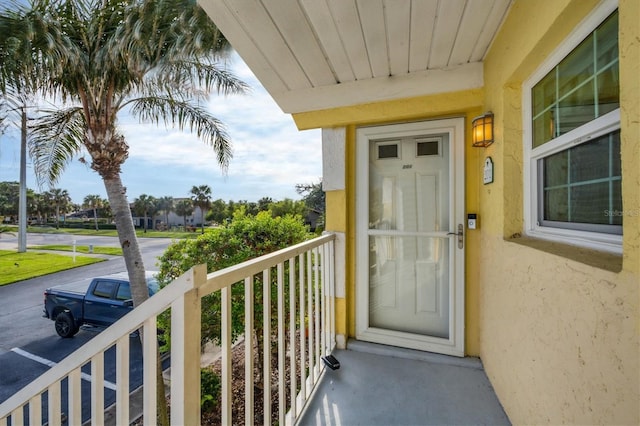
(184, 208)
(94, 202)
(152, 59)
(145, 205)
(60, 200)
(165, 204)
(201, 197)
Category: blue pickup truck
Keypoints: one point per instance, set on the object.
(99, 301)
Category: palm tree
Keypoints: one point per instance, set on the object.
(40, 207)
(201, 197)
(166, 205)
(60, 200)
(152, 59)
(94, 202)
(145, 205)
(184, 208)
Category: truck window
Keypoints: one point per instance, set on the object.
(104, 289)
(124, 292)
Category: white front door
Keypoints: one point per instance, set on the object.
(410, 247)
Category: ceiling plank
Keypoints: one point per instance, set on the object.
(323, 25)
(254, 18)
(294, 28)
(250, 53)
(398, 20)
(345, 15)
(375, 37)
(496, 17)
(446, 30)
(423, 19)
(473, 21)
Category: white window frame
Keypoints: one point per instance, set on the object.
(595, 128)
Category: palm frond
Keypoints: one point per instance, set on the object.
(55, 138)
(195, 78)
(185, 115)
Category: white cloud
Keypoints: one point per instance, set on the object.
(266, 142)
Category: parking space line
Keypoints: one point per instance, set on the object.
(50, 363)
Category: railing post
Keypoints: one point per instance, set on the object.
(185, 353)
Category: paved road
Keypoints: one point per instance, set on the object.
(27, 339)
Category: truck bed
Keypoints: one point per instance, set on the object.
(77, 287)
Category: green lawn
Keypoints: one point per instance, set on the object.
(114, 251)
(22, 266)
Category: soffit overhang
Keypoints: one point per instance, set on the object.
(319, 54)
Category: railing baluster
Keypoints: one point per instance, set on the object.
(226, 356)
(35, 411)
(186, 351)
(97, 389)
(281, 348)
(55, 397)
(75, 397)
(332, 300)
(311, 322)
(292, 335)
(248, 350)
(303, 331)
(150, 376)
(323, 302)
(266, 343)
(316, 313)
(122, 380)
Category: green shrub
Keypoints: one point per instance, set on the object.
(246, 237)
(210, 387)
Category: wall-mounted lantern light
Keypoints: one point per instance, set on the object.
(482, 130)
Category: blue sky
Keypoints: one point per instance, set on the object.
(270, 155)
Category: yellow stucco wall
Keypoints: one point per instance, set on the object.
(559, 338)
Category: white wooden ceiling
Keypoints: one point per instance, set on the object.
(317, 54)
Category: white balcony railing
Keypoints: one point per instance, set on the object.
(305, 331)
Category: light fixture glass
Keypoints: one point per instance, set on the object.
(482, 130)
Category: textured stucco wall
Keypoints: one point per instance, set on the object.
(558, 338)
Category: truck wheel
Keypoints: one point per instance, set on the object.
(65, 325)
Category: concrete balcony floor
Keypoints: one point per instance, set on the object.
(383, 385)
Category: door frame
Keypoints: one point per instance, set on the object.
(454, 345)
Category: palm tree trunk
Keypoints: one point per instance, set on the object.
(95, 217)
(127, 235)
(135, 267)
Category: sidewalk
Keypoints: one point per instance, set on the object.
(13, 246)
